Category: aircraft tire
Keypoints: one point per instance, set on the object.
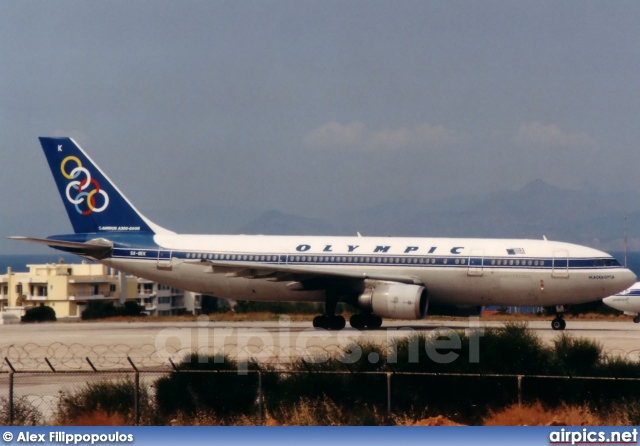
(321, 321)
(337, 323)
(358, 321)
(558, 324)
(374, 321)
(636, 319)
(329, 322)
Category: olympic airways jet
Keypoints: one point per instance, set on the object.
(383, 277)
(627, 301)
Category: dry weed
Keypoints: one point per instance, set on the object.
(537, 415)
(98, 418)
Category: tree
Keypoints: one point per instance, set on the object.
(39, 314)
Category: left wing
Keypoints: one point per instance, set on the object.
(251, 270)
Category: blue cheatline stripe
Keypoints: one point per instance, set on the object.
(372, 260)
(629, 293)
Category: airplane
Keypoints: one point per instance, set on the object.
(627, 301)
(383, 277)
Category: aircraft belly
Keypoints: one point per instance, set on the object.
(200, 280)
(535, 288)
(452, 287)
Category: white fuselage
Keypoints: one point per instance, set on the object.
(627, 300)
(454, 271)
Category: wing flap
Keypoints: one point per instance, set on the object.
(282, 272)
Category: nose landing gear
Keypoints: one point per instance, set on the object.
(558, 323)
(329, 320)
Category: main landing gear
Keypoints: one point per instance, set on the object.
(558, 323)
(329, 320)
(636, 319)
(362, 320)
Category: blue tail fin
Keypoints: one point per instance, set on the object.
(93, 202)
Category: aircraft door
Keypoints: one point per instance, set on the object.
(164, 259)
(476, 262)
(560, 263)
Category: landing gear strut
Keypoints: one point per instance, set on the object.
(362, 320)
(558, 323)
(329, 320)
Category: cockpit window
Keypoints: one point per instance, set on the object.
(606, 263)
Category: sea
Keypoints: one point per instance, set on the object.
(19, 262)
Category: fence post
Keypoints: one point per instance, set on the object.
(10, 416)
(11, 409)
(136, 397)
(260, 417)
(49, 364)
(93, 367)
(389, 393)
(260, 394)
(519, 390)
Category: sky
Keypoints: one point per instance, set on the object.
(319, 107)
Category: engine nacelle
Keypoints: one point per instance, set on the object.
(394, 300)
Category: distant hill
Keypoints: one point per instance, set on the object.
(580, 216)
(586, 216)
(538, 209)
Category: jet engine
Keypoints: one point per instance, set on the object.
(394, 300)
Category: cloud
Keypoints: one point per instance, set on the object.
(536, 134)
(334, 134)
(355, 136)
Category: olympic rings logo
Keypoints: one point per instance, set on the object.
(81, 187)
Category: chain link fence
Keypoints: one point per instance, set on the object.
(29, 397)
(60, 383)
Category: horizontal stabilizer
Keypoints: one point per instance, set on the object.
(98, 248)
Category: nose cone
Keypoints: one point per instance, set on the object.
(623, 302)
(622, 280)
(625, 279)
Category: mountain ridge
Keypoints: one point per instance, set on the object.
(585, 216)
